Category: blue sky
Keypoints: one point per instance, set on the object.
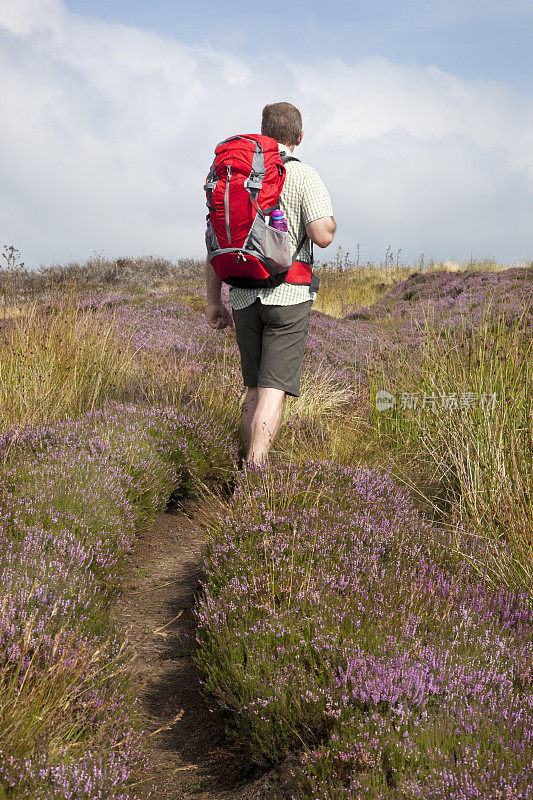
(475, 39)
(418, 115)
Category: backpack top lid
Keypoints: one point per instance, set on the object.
(248, 141)
(252, 155)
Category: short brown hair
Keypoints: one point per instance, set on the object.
(283, 122)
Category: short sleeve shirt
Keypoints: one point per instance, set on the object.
(303, 199)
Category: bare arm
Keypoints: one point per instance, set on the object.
(218, 316)
(321, 231)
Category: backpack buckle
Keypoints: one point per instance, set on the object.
(254, 182)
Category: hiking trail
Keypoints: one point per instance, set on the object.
(191, 756)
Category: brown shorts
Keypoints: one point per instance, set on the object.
(271, 341)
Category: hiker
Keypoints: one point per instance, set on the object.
(272, 287)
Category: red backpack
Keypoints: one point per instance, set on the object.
(243, 188)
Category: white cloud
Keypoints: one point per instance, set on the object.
(27, 16)
(107, 133)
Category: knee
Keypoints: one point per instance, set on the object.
(272, 397)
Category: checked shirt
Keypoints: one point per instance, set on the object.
(303, 199)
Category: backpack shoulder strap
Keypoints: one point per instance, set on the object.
(300, 245)
(285, 159)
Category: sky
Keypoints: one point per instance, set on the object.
(418, 115)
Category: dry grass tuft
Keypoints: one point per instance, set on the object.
(59, 361)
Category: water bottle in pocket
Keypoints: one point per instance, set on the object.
(276, 244)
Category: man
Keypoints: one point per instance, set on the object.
(271, 324)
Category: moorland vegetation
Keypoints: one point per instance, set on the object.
(366, 609)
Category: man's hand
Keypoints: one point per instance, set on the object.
(218, 316)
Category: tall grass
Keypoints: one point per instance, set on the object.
(40, 695)
(345, 285)
(59, 360)
(481, 451)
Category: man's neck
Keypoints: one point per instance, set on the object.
(290, 147)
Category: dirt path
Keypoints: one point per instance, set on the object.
(191, 756)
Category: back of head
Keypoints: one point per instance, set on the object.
(283, 122)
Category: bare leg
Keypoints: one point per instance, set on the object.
(264, 423)
(249, 404)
